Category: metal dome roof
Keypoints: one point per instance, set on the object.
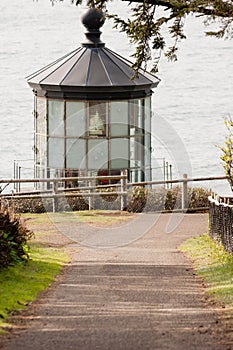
(91, 71)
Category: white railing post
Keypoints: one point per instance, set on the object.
(184, 204)
(55, 203)
(123, 189)
(90, 202)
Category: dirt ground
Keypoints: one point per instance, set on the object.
(127, 287)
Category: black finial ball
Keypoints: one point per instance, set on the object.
(93, 19)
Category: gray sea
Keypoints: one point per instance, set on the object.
(189, 105)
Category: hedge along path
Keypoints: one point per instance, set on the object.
(20, 282)
(143, 295)
(13, 239)
(138, 199)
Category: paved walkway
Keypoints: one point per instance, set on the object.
(138, 293)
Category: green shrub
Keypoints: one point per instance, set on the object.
(28, 205)
(173, 198)
(160, 199)
(74, 203)
(13, 239)
(198, 197)
(137, 199)
(112, 194)
(155, 199)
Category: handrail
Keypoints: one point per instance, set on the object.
(181, 180)
(113, 177)
(91, 186)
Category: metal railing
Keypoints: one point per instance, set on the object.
(88, 188)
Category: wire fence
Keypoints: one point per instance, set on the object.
(116, 193)
(221, 220)
(107, 193)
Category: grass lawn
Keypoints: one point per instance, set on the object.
(93, 217)
(22, 283)
(214, 265)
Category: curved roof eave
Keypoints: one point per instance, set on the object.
(67, 88)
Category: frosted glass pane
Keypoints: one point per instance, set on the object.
(97, 154)
(148, 174)
(75, 154)
(75, 119)
(133, 114)
(148, 114)
(119, 118)
(119, 153)
(55, 118)
(41, 127)
(56, 153)
(119, 130)
(140, 114)
(147, 150)
(41, 149)
(97, 118)
(136, 151)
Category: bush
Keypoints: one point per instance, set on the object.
(28, 205)
(74, 203)
(198, 197)
(139, 199)
(13, 239)
(111, 191)
(173, 198)
(160, 199)
(155, 199)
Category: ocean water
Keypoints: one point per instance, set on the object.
(189, 105)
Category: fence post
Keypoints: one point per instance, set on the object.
(55, 203)
(184, 204)
(123, 189)
(90, 202)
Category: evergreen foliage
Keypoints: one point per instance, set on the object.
(227, 151)
(149, 18)
(13, 239)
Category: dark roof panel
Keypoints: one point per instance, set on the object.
(77, 76)
(125, 66)
(59, 74)
(46, 71)
(97, 75)
(117, 75)
(91, 67)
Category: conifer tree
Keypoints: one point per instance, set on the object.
(148, 18)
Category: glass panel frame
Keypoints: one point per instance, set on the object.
(147, 115)
(75, 153)
(76, 119)
(118, 118)
(97, 118)
(97, 155)
(94, 135)
(41, 114)
(137, 150)
(56, 152)
(119, 153)
(56, 118)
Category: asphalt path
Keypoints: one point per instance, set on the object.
(137, 292)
